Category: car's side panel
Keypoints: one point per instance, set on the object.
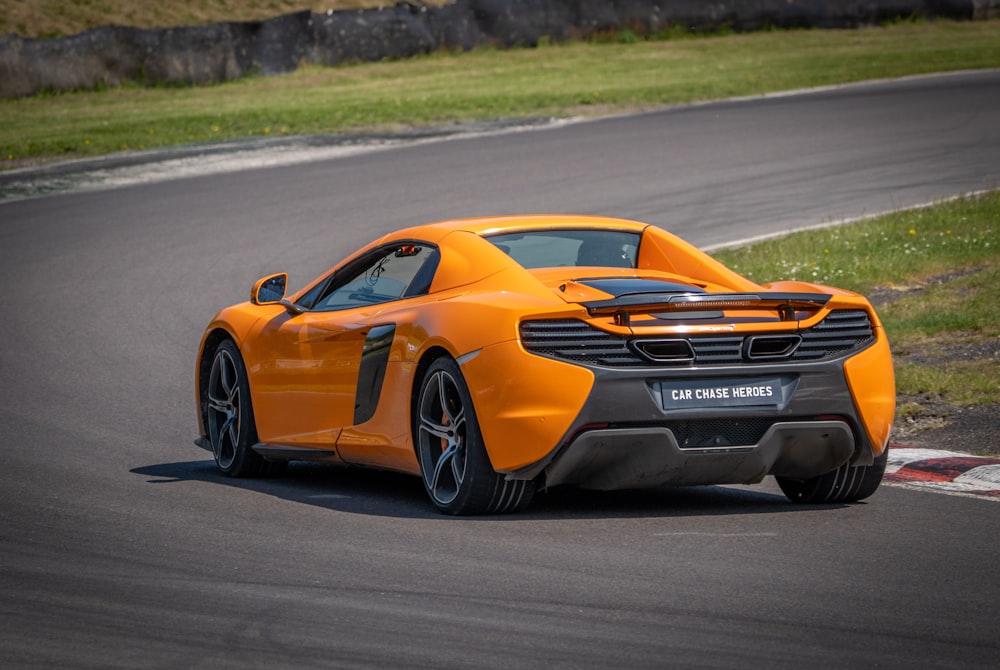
(450, 321)
(872, 382)
(233, 322)
(385, 440)
(524, 403)
(303, 371)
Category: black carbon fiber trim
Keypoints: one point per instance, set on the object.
(575, 341)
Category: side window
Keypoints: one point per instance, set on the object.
(391, 273)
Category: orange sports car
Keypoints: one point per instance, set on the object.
(494, 357)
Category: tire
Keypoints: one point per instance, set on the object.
(844, 485)
(229, 417)
(454, 465)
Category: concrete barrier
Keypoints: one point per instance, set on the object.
(111, 55)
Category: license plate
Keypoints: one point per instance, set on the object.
(707, 393)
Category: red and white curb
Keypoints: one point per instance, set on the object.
(944, 471)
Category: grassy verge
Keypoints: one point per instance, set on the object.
(933, 274)
(571, 79)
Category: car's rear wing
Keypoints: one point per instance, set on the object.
(785, 304)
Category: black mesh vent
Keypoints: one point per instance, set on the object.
(720, 432)
(572, 340)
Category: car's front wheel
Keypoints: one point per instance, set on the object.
(229, 417)
(455, 467)
(845, 484)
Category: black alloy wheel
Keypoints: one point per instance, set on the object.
(455, 467)
(229, 417)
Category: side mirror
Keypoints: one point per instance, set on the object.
(269, 290)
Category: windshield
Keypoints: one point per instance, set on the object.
(570, 248)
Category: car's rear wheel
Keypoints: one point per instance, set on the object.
(229, 417)
(455, 467)
(845, 484)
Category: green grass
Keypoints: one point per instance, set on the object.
(941, 266)
(560, 80)
(965, 305)
(962, 383)
(899, 250)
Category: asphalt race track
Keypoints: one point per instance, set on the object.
(121, 547)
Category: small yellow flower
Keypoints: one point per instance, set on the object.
(86, 141)
(267, 130)
(215, 129)
(947, 232)
(152, 132)
(826, 251)
(912, 231)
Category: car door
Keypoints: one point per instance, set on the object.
(306, 387)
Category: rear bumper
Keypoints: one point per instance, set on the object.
(629, 434)
(620, 458)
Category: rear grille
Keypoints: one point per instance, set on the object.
(841, 331)
(713, 350)
(571, 340)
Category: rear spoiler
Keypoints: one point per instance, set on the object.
(647, 303)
